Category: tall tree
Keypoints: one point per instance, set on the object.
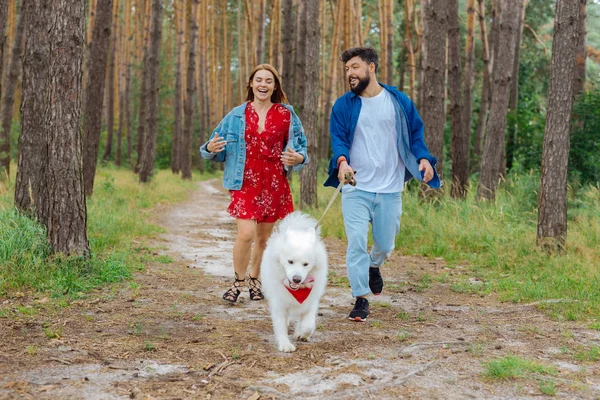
(260, 30)
(94, 97)
(435, 27)
(504, 55)
(514, 93)
(8, 97)
(469, 70)
(3, 20)
(177, 101)
(308, 175)
(460, 138)
(144, 82)
(485, 88)
(149, 151)
(581, 52)
(552, 216)
(50, 115)
(289, 51)
(185, 150)
(110, 82)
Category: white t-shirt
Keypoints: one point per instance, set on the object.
(374, 152)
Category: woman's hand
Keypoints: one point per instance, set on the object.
(290, 158)
(216, 144)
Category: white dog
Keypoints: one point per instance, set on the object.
(294, 275)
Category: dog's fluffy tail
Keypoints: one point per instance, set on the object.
(298, 221)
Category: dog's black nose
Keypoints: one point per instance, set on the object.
(297, 279)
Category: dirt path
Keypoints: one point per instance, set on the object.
(168, 334)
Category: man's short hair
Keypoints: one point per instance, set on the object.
(366, 53)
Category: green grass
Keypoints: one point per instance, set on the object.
(513, 367)
(119, 214)
(496, 243)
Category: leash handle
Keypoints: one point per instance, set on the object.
(347, 179)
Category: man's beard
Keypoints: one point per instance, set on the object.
(361, 85)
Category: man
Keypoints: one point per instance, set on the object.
(376, 132)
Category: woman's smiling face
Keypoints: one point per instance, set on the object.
(263, 85)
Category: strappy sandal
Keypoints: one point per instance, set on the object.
(232, 294)
(254, 286)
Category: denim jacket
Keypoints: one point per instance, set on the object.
(232, 128)
(411, 141)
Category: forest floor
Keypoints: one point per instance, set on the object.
(168, 334)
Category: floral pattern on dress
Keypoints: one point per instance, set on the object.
(265, 195)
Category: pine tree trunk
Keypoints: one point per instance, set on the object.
(260, 21)
(51, 111)
(460, 141)
(177, 100)
(309, 115)
(435, 27)
(186, 143)
(408, 40)
(300, 83)
(110, 120)
(552, 217)
(143, 107)
(3, 21)
(94, 97)
(288, 45)
(503, 66)
(149, 152)
(8, 96)
(514, 96)
(581, 52)
(485, 91)
(469, 72)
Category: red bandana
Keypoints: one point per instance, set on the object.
(303, 291)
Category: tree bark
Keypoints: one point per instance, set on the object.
(3, 20)
(309, 115)
(485, 90)
(143, 110)
(8, 96)
(260, 48)
(552, 216)
(110, 120)
(50, 118)
(177, 100)
(288, 44)
(94, 97)
(469, 71)
(512, 131)
(503, 69)
(579, 84)
(149, 152)
(186, 143)
(460, 142)
(435, 27)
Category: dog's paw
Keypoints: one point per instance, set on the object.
(287, 347)
(303, 338)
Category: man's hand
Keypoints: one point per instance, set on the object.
(424, 165)
(344, 169)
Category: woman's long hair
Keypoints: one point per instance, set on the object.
(278, 95)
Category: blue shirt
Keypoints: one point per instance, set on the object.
(411, 141)
(232, 128)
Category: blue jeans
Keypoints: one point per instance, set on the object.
(382, 211)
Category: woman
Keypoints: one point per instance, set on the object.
(258, 141)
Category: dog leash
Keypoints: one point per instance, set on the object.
(347, 179)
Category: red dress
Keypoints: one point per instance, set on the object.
(265, 194)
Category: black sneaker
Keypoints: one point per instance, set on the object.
(375, 281)
(360, 311)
